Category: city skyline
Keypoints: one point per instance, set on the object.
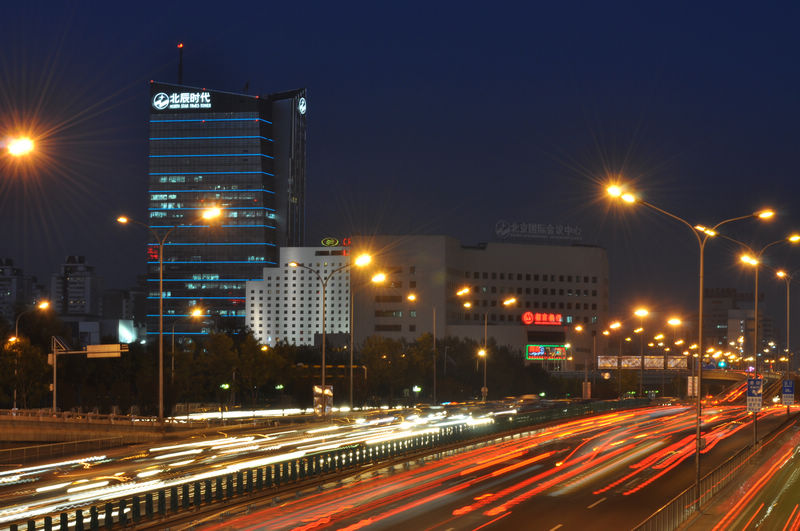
(687, 109)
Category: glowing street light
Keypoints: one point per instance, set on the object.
(376, 278)
(509, 301)
(43, 305)
(19, 147)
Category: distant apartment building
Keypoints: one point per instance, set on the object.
(76, 290)
(728, 317)
(17, 290)
(286, 305)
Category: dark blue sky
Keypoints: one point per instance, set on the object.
(427, 117)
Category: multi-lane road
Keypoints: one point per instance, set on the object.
(610, 470)
(605, 472)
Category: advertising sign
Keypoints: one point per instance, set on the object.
(630, 362)
(323, 401)
(691, 390)
(677, 362)
(607, 362)
(754, 388)
(545, 352)
(654, 362)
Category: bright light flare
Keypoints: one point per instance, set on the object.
(18, 147)
(614, 190)
(363, 260)
(674, 321)
(463, 291)
(379, 277)
(641, 312)
(747, 259)
(212, 213)
(509, 301)
(765, 214)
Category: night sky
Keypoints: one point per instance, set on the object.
(428, 117)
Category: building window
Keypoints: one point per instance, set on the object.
(388, 328)
(412, 328)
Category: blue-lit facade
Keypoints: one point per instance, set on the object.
(217, 149)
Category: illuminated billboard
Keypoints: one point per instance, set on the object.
(545, 352)
(630, 362)
(654, 362)
(606, 362)
(676, 362)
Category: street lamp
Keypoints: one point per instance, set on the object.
(197, 312)
(787, 279)
(41, 306)
(19, 147)
(361, 261)
(702, 235)
(161, 240)
(484, 389)
(641, 313)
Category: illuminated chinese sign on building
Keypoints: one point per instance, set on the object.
(542, 318)
(182, 100)
(545, 352)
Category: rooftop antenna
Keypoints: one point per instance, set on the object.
(180, 63)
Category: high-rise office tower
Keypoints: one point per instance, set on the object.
(244, 154)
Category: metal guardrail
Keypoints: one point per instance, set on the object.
(680, 508)
(158, 504)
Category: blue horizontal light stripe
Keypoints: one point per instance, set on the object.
(176, 315)
(179, 333)
(206, 208)
(217, 262)
(195, 280)
(206, 226)
(248, 226)
(214, 173)
(212, 155)
(208, 137)
(203, 297)
(200, 190)
(213, 120)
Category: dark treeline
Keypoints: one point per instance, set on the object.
(234, 370)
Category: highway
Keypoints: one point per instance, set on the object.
(34, 491)
(607, 472)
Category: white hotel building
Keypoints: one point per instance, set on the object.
(286, 305)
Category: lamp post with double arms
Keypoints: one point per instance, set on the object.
(361, 261)
(702, 234)
(161, 240)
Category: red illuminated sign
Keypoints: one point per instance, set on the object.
(529, 318)
(547, 318)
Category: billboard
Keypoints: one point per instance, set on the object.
(677, 362)
(545, 352)
(607, 362)
(654, 362)
(630, 362)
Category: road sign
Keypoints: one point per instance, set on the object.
(113, 350)
(754, 388)
(787, 392)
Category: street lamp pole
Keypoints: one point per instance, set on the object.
(616, 191)
(161, 240)
(41, 306)
(360, 261)
(787, 279)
